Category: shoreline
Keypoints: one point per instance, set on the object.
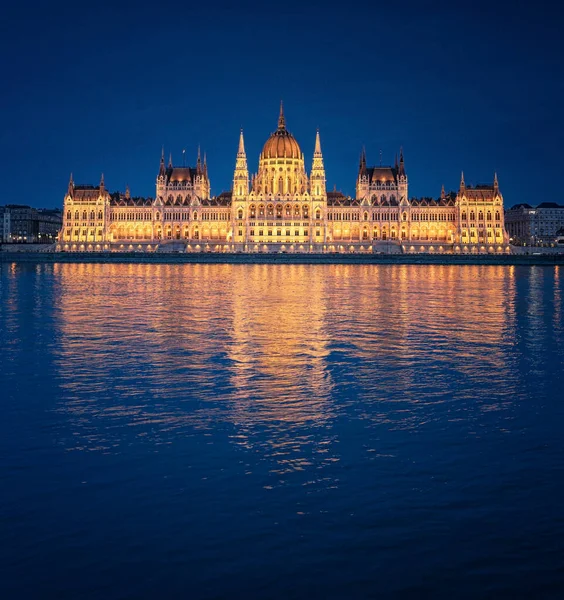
(229, 258)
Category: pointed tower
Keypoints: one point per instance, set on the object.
(443, 192)
(170, 161)
(362, 182)
(402, 178)
(127, 192)
(199, 163)
(102, 185)
(71, 186)
(317, 179)
(462, 184)
(496, 184)
(241, 174)
(402, 165)
(162, 170)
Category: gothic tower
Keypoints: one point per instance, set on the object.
(241, 174)
(317, 177)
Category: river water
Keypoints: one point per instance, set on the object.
(281, 431)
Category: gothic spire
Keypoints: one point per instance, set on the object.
(241, 150)
(281, 119)
(362, 165)
(199, 162)
(401, 163)
(317, 143)
(162, 164)
(170, 160)
(205, 166)
(102, 181)
(462, 184)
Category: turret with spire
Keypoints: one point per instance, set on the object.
(71, 186)
(462, 184)
(241, 174)
(496, 183)
(199, 163)
(362, 182)
(317, 179)
(401, 165)
(102, 185)
(162, 170)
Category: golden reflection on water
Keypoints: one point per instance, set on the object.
(270, 357)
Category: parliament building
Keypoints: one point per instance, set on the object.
(283, 209)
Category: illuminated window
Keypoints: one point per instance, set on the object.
(270, 232)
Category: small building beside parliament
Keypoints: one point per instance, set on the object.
(283, 209)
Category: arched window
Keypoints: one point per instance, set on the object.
(480, 216)
(383, 198)
(76, 216)
(305, 211)
(497, 215)
(318, 214)
(404, 216)
(489, 215)
(195, 216)
(288, 210)
(100, 217)
(252, 211)
(296, 210)
(392, 199)
(91, 215)
(366, 216)
(278, 211)
(84, 215)
(270, 210)
(68, 215)
(464, 215)
(261, 210)
(472, 215)
(240, 213)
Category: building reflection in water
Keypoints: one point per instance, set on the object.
(274, 358)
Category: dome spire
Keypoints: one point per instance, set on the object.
(281, 119)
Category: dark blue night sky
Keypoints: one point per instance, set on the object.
(93, 88)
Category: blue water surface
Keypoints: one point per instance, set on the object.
(281, 431)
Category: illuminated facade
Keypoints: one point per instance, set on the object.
(282, 209)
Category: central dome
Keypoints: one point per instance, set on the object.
(281, 144)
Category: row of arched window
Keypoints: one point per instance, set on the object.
(481, 215)
(270, 210)
(84, 215)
